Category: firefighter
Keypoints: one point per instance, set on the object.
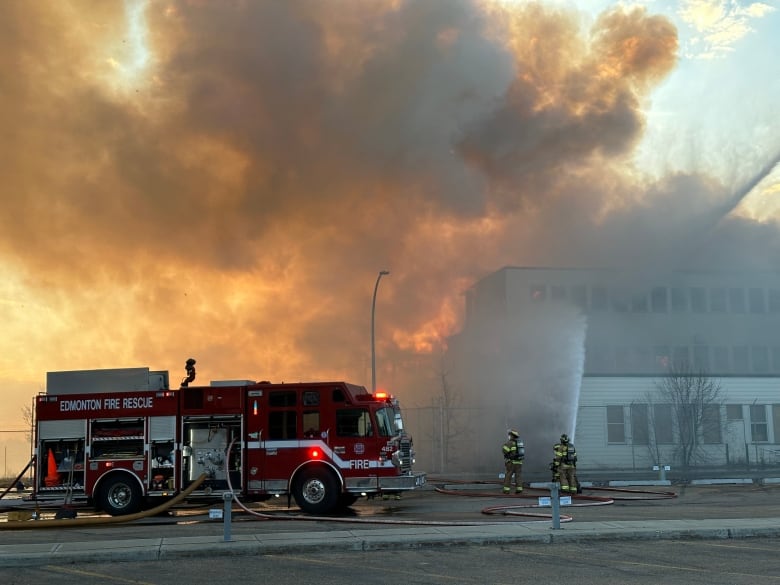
(189, 367)
(514, 453)
(566, 463)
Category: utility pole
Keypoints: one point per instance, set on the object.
(373, 346)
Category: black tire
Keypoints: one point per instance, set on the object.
(120, 495)
(346, 500)
(316, 491)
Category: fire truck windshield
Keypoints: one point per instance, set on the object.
(389, 421)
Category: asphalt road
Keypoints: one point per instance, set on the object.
(748, 562)
(460, 504)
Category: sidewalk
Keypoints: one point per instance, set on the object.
(413, 536)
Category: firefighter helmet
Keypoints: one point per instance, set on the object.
(564, 438)
(514, 433)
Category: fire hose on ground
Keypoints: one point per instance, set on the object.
(578, 500)
(95, 521)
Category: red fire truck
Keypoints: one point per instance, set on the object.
(123, 440)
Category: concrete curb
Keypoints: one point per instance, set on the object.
(658, 482)
(734, 481)
(412, 537)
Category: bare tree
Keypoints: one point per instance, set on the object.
(693, 400)
(27, 417)
(448, 427)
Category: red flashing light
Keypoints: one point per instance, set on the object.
(381, 395)
(315, 453)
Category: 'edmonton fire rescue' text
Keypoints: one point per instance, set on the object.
(106, 403)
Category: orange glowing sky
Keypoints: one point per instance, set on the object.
(224, 180)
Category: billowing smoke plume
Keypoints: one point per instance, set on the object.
(225, 180)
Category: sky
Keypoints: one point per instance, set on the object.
(224, 180)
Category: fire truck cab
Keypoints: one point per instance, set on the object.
(123, 440)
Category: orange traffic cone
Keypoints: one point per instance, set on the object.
(52, 477)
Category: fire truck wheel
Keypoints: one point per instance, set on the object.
(316, 491)
(346, 500)
(120, 495)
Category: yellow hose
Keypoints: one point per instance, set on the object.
(30, 524)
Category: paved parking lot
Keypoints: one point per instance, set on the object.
(460, 504)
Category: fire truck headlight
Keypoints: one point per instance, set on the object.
(397, 460)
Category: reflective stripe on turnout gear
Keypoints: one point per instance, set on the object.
(513, 450)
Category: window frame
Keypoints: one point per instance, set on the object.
(663, 425)
(618, 426)
(759, 425)
(640, 427)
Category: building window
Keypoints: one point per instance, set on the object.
(640, 432)
(619, 300)
(661, 358)
(711, 427)
(698, 300)
(639, 303)
(642, 359)
(701, 358)
(681, 358)
(557, 292)
(579, 296)
(659, 300)
(718, 300)
(740, 361)
(737, 300)
(662, 423)
(679, 300)
(758, 426)
(774, 300)
(616, 425)
(538, 292)
(733, 412)
(760, 357)
(776, 360)
(622, 359)
(757, 301)
(720, 359)
(598, 298)
(776, 421)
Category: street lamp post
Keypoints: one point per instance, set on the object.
(373, 312)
